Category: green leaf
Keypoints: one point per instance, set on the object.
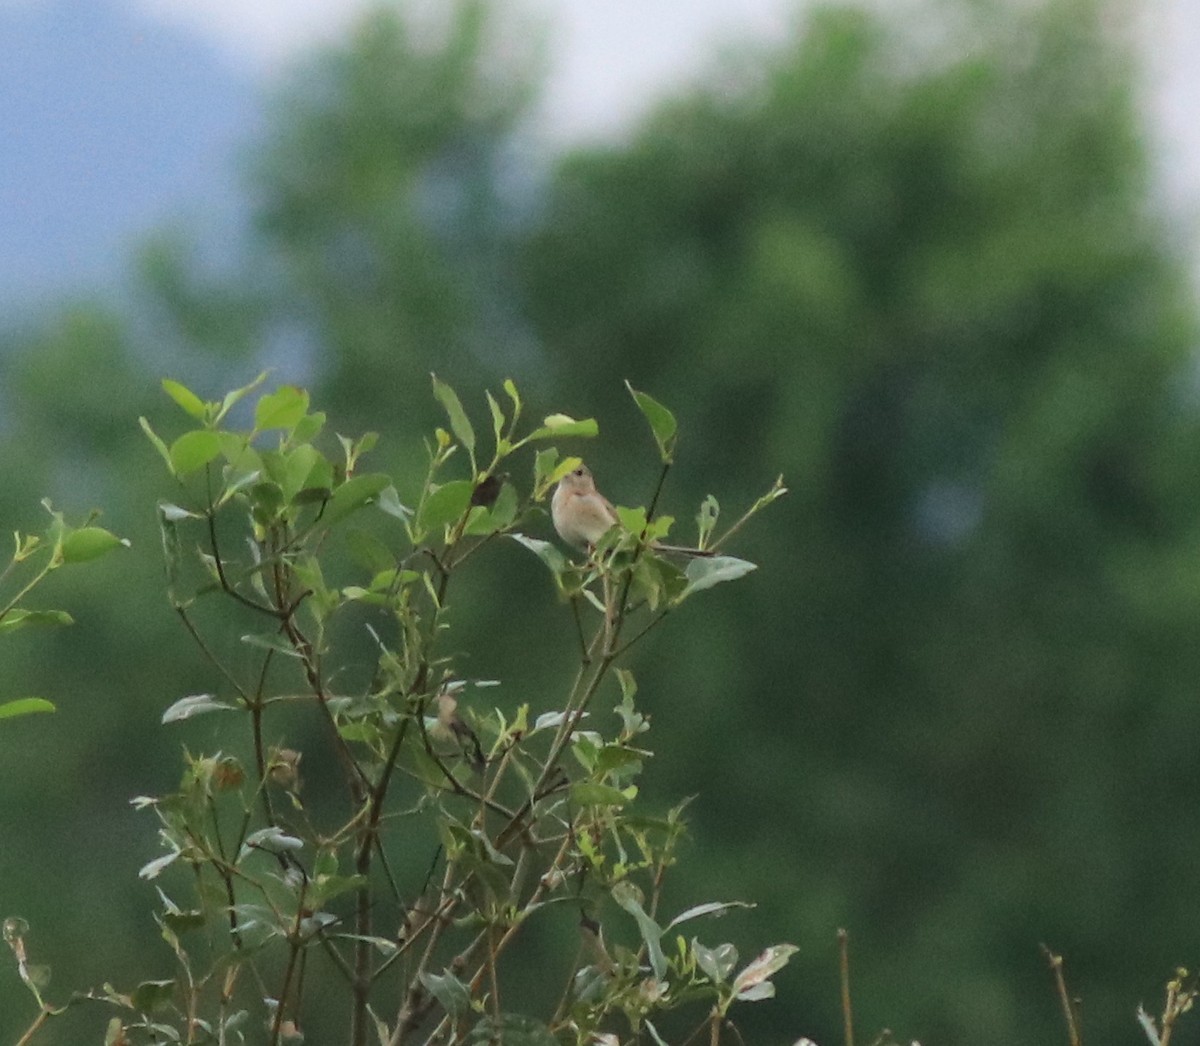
(197, 704)
(627, 896)
(453, 994)
(233, 397)
(273, 840)
(89, 543)
(546, 552)
(762, 990)
(751, 983)
(172, 548)
(176, 513)
(497, 418)
(36, 976)
(193, 450)
(543, 465)
(612, 758)
(425, 768)
(179, 922)
(512, 1030)
(708, 908)
(389, 502)
(159, 445)
(559, 426)
(185, 397)
(592, 793)
(547, 473)
(243, 459)
(360, 730)
(446, 504)
(266, 502)
(369, 552)
(271, 641)
(153, 869)
(717, 963)
(499, 516)
(513, 395)
(330, 886)
(460, 424)
(662, 422)
(308, 427)
(704, 573)
(281, 409)
(354, 494)
(17, 618)
(152, 995)
(309, 476)
(380, 944)
(24, 706)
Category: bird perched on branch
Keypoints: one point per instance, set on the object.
(582, 515)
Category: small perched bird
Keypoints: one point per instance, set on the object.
(582, 515)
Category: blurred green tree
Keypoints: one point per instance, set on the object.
(387, 198)
(926, 279)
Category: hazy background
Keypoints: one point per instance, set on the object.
(936, 262)
(118, 115)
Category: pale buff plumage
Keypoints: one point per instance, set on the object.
(582, 515)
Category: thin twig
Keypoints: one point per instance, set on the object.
(844, 969)
(33, 1028)
(295, 950)
(1056, 966)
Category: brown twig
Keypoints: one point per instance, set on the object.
(844, 971)
(1068, 1007)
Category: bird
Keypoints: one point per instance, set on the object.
(582, 515)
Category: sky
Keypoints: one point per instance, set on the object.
(609, 55)
(115, 114)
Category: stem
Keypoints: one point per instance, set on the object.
(490, 963)
(662, 478)
(568, 989)
(654, 623)
(417, 1003)
(226, 587)
(295, 947)
(209, 655)
(844, 967)
(777, 490)
(37, 580)
(356, 779)
(1056, 967)
(361, 981)
(33, 1028)
(534, 899)
(584, 655)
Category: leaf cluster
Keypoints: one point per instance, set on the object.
(454, 822)
(33, 559)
